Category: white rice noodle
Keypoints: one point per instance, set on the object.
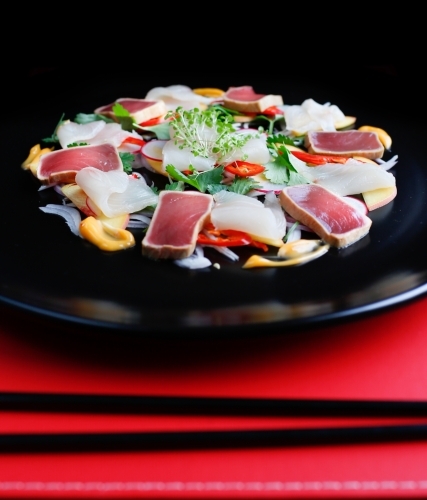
(196, 261)
(71, 215)
(115, 192)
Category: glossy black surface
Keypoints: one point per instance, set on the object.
(45, 269)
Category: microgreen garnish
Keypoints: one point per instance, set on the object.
(75, 144)
(207, 133)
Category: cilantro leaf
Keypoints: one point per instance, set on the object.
(127, 160)
(83, 118)
(280, 170)
(201, 181)
(280, 139)
(119, 110)
(161, 130)
(242, 185)
(123, 116)
(175, 186)
(54, 138)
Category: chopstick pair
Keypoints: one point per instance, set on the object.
(211, 439)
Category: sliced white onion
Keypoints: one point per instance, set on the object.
(138, 221)
(294, 235)
(196, 261)
(71, 215)
(272, 202)
(387, 165)
(225, 251)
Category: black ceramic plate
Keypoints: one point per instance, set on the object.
(45, 269)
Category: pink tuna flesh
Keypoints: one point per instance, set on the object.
(245, 93)
(177, 220)
(63, 164)
(131, 105)
(345, 143)
(327, 214)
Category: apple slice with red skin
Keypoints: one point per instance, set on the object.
(379, 197)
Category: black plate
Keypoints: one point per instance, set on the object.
(47, 270)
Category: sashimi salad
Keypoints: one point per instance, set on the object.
(206, 167)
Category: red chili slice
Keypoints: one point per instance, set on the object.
(134, 140)
(224, 238)
(318, 159)
(153, 121)
(272, 111)
(244, 168)
(228, 238)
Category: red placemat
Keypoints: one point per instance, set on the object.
(382, 357)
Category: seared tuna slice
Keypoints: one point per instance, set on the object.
(345, 143)
(61, 166)
(141, 110)
(177, 220)
(333, 219)
(245, 100)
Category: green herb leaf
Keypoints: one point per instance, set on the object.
(200, 181)
(161, 131)
(127, 160)
(175, 186)
(75, 144)
(83, 118)
(119, 110)
(242, 185)
(290, 231)
(123, 117)
(54, 138)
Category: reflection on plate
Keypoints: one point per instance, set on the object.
(47, 270)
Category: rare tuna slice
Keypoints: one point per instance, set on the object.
(61, 166)
(141, 110)
(345, 143)
(176, 223)
(245, 100)
(328, 215)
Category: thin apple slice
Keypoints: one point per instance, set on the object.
(346, 122)
(152, 151)
(379, 197)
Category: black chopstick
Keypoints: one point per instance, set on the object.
(198, 440)
(202, 405)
